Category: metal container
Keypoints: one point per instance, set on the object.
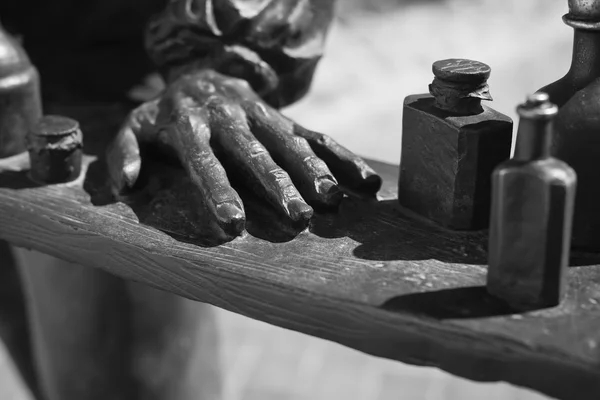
(55, 146)
(20, 102)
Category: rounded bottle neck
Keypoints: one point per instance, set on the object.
(585, 63)
(534, 135)
(534, 138)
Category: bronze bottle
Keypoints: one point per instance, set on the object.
(532, 208)
(20, 102)
(576, 138)
(451, 143)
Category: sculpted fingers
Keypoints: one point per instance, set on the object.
(309, 173)
(123, 153)
(189, 136)
(251, 158)
(350, 170)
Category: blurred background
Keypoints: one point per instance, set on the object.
(379, 51)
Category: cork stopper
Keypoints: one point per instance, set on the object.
(460, 85)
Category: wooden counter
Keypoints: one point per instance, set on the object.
(370, 276)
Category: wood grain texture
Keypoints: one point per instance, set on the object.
(370, 276)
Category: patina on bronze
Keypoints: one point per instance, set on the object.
(577, 126)
(228, 65)
(219, 115)
(450, 145)
(55, 146)
(532, 211)
(20, 104)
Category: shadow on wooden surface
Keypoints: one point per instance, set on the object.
(370, 276)
(166, 200)
(455, 303)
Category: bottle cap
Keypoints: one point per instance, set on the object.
(537, 106)
(55, 125)
(461, 71)
(587, 10)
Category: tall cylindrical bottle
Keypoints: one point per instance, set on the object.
(576, 138)
(20, 102)
(532, 207)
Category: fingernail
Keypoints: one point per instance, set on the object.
(298, 210)
(370, 182)
(330, 190)
(123, 174)
(131, 171)
(231, 218)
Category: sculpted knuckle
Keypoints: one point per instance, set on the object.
(214, 101)
(323, 139)
(204, 158)
(145, 113)
(300, 142)
(280, 176)
(256, 149)
(259, 108)
(290, 193)
(206, 87)
(314, 163)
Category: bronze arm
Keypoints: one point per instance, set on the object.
(228, 65)
(274, 45)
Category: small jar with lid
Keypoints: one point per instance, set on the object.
(451, 143)
(55, 147)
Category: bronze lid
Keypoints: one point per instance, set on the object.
(588, 10)
(461, 71)
(55, 125)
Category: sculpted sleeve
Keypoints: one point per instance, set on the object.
(273, 44)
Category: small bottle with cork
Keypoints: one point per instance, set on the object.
(451, 143)
(55, 146)
(532, 211)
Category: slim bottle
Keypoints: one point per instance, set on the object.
(451, 143)
(532, 208)
(576, 138)
(20, 103)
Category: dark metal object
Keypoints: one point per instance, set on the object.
(20, 104)
(55, 149)
(367, 276)
(532, 210)
(274, 45)
(203, 114)
(95, 53)
(576, 139)
(451, 143)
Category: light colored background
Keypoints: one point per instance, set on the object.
(379, 52)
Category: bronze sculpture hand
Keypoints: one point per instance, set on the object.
(204, 117)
